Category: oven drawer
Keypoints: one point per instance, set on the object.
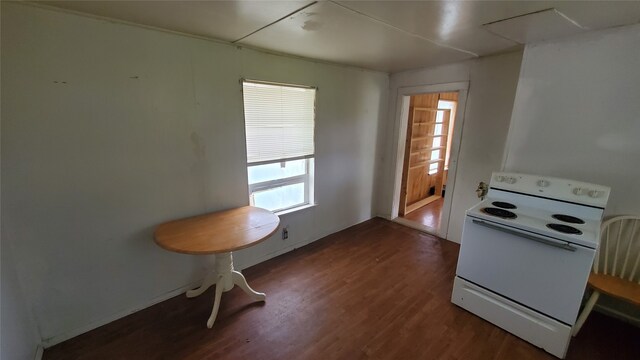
(538, 272)
(542, 331)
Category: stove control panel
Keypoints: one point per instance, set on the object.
(588, 192)
(595, 193)
(553, 188)
(543, 183)
(506, 179)
(579, 191)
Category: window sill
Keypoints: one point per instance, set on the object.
(295, 209)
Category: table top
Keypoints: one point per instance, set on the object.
(217, 232)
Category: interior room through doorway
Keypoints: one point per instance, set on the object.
(426, 161)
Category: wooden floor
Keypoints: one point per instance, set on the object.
(428, 215)
(377, 290)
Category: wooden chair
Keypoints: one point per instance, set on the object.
(616, 269)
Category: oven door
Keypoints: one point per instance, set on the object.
(542, 273)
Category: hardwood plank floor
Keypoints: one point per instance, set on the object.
(428, 215)
(377, 290)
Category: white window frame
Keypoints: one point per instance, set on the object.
(453, 107)
(307, 178)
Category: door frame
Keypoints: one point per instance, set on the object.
(401, 123)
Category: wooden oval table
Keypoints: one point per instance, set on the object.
(219, 234)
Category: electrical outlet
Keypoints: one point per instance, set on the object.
(285, 233)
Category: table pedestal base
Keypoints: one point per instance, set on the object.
(225, 278)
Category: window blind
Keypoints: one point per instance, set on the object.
(278, 121)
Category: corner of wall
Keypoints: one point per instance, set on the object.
(508, 144)
(20, 335)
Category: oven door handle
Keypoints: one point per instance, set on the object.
(563, 246)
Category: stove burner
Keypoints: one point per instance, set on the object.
(505, 214)
(564, 229)
(503, 205)
(568, 218)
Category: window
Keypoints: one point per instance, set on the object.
(435, 157)
(443, 128)
(279, 125)
(451, 105)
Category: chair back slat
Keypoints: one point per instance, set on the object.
(606, 253)
(615, 254)
(596, 262)
(634, 271)
(619, 251)
(628, 251)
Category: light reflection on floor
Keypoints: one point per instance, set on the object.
(428, 215)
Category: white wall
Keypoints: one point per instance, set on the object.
(577, 113)
(18, 334)
(110, 129)
(492, 84)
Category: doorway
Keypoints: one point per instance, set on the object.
(429, 133)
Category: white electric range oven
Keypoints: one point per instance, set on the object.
(526, 254)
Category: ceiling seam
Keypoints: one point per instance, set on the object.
(571, 20)
(46, 7)
(276, 21)
(404, 31)
(488, 29)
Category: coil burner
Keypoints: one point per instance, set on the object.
(505, 214)
(503, 205)
(568, 218)
(564, 229)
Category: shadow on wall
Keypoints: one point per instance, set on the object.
(142, 241)
(381, 143)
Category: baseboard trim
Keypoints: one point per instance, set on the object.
(241, 265)
(415, 225)
(54, 340)
(617, 314)
(291, 247)
(385, 216)
(39, 353)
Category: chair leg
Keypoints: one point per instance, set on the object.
(585, 312)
